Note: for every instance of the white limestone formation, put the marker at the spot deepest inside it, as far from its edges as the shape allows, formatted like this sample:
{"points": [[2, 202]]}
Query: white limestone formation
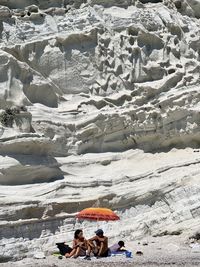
{"points": [[99, 105]]}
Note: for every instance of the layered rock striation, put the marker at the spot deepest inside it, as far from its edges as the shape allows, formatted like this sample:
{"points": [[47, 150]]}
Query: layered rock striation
{"points": [[105, 77]]}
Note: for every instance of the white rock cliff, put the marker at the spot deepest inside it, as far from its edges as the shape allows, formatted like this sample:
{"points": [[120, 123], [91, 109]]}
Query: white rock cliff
{"points": [[99, 106]]}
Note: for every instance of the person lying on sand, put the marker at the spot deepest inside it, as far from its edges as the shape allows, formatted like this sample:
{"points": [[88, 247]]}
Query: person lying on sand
{"points": [[98, 245], [118, 248], [79, 245]]}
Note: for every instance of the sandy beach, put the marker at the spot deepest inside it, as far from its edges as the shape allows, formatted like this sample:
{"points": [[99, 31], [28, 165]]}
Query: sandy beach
{"points": [[152, 261], [164, 251]]}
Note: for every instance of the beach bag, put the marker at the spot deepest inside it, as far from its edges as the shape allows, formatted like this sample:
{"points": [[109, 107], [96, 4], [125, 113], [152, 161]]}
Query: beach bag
{"points": [[63, 248]]}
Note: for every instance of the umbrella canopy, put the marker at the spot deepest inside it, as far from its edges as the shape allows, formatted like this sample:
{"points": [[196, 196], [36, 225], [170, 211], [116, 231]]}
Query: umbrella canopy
{"points": [[98, 214]]}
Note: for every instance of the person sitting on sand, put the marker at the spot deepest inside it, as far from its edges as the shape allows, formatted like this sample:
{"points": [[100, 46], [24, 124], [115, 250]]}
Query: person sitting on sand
{"points": [[118, 248], [98, 245], [79, 245]]}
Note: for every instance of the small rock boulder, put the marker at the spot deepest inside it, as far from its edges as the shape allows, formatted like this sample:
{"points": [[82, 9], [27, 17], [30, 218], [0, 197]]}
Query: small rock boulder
{"points": [[32, 9], [5, 13]]}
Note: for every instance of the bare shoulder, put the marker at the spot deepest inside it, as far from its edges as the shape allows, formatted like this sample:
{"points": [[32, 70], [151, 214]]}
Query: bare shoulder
{"points": [[93, 238]]}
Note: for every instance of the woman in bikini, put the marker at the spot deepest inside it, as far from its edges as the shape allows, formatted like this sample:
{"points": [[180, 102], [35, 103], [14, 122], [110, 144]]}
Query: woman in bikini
{"points": [[79, 245]]}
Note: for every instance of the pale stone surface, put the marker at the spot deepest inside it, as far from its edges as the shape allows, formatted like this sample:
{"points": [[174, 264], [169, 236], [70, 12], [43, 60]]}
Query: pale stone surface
{"points": [[5, 13], [110, 116]]}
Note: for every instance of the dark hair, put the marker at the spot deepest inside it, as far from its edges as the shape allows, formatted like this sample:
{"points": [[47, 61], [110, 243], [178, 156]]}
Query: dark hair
{"points": [[77, 232], [99, 232], [121, 243]]}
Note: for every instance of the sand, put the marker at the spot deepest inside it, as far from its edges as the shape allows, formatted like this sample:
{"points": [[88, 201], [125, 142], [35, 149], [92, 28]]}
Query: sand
{"points": [[163, 251], [154, 259]]}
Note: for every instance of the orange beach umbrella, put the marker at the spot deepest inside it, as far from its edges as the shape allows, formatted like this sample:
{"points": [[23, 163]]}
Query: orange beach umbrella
{"points": [[97, 214]]}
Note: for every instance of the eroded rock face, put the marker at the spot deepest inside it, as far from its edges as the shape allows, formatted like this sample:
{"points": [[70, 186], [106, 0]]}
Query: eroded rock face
{"points": [[5, 13], [24, 3], [96, 77], [150, 1], [195, 5]]}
